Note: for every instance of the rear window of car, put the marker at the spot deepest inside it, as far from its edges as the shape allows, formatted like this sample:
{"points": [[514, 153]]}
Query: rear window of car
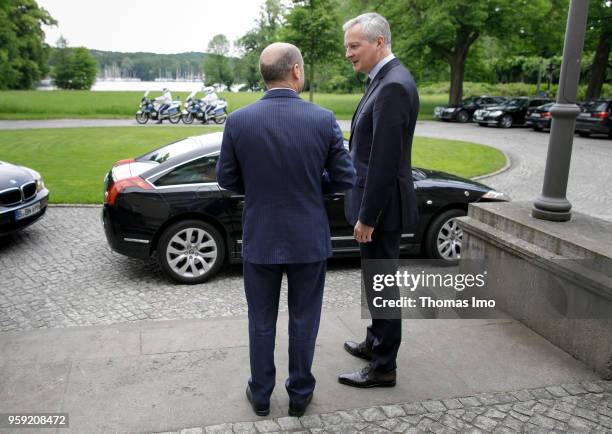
{"points": [[171, 150], [595, 106], [199, 171], [516, 102]]}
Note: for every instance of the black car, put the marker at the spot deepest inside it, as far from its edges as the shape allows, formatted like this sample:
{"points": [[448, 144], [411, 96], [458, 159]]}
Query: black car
{"points": [[539, 118], [510, 113], [463, 112], [595, 118], [23, 197], [168, 203]]}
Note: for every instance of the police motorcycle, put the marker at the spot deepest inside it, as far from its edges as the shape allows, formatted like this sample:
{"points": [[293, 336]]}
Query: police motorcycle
{"points": [[209, 108], [216, 111], [194, 109], [149, 109]]}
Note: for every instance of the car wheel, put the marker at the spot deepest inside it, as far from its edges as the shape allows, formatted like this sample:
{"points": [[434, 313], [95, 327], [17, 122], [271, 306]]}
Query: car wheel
{"points": [[584, 133], [191, 251], [463, 116], [506, 121], [444, 237], [537, 129], [482, 124]]}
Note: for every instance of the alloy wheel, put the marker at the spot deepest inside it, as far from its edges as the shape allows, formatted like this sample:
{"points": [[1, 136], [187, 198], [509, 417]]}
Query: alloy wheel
{"points": [[191, 252], [449, 240]]}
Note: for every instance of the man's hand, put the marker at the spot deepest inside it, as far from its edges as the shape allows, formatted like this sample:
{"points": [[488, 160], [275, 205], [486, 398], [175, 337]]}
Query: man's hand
{"points": [[363, 233]]}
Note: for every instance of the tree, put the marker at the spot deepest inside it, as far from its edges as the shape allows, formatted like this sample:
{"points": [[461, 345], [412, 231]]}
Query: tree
{"points": [[254, 41], [60, 63], [84, 69], [23, 52], [313, 26], [73, 68], [600, 24], [217, 67], [448, 29]]}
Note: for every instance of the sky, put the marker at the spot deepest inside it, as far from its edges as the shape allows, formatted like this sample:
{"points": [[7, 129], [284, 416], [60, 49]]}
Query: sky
{"points": [[155, 26]]}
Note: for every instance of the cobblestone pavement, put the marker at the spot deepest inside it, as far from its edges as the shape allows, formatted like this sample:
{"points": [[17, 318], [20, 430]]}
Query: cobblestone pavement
{"points": [[568, 408], [60, 272]]}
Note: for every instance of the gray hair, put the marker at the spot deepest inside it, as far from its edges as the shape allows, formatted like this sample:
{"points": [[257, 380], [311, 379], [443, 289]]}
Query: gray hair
{"points": [[276, 66], [373, 26]]}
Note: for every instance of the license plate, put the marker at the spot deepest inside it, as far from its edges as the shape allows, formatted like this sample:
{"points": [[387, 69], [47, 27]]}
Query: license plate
{"points": [[27, 212], [584, 115], [535, 115]]}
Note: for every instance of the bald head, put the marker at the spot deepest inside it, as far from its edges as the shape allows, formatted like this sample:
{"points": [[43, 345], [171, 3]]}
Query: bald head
{"points": [[278, 61]]}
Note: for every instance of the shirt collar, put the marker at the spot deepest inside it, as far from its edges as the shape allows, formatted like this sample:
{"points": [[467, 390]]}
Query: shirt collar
{"points": [[379, 66], [278, 88]]}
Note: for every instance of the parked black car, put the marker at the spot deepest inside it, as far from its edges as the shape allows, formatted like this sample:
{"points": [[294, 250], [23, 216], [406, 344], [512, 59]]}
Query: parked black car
{"points": [[539, 118], [595, 118], [463, 112], [510, 113], [167, 202], [23, 197]]}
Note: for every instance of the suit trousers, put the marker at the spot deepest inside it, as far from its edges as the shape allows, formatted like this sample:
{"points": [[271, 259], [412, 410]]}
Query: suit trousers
{"points": [[384, 335], [262, 284]]}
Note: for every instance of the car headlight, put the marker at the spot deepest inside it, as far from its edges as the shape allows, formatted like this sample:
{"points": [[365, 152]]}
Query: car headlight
{"points": [[450, 109], [496, 195], [496, 113], [40, 184]]}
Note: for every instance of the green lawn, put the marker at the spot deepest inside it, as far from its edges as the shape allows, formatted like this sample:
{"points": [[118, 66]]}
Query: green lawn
{"points": [[73, 161], [88, 104]]}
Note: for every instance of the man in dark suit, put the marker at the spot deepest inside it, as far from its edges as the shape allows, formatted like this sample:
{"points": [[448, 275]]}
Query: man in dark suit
{"points": [[283, 154], [383, 204]]}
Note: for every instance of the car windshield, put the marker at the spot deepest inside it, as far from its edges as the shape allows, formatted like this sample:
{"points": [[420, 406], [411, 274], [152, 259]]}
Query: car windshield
{"points": [[469, 100], [170, 151], [516, 102], [595, 106]]}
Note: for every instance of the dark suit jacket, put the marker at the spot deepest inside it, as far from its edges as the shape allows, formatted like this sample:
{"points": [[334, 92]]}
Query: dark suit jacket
{"points": [[381, 145], [275, 152]]}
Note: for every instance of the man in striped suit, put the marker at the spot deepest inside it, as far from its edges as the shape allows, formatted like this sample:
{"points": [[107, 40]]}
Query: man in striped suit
{"points": [[283, 154]]}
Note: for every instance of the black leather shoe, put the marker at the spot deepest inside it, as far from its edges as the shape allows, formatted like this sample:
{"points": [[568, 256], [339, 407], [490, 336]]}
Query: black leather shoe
{"points": [[367, 377], [297, 410], [259, 409], [358, 350]]}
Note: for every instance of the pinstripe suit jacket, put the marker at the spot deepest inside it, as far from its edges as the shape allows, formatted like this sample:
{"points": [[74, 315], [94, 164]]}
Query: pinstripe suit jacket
{"points": [[275, 152]]}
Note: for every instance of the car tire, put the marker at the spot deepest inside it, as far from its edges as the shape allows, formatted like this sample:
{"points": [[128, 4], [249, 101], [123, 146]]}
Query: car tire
{"points": [[191, 251], [506, 121], [584, 133], [482, 124], [463, 116], [537, 129], [444, 237]]}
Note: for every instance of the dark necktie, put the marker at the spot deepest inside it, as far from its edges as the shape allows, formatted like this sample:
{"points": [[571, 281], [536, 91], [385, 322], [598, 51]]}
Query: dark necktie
{"points": [[367, 84]]}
